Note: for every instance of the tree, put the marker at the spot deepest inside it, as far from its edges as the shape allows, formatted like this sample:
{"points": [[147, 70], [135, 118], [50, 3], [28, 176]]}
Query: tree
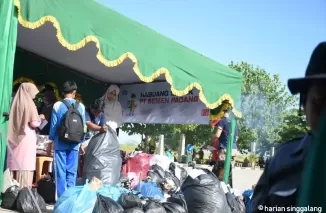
{"points": [[263, 103], [195, 134], [293, 125]]}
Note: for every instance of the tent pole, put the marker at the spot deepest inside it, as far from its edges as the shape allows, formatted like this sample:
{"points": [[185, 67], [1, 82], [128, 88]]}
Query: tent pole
{"points": [[182, 146], [227, 162], [161, 146]]}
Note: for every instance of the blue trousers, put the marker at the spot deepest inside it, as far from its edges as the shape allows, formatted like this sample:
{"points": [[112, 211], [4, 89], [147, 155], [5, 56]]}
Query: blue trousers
{"points": [[65, 165]]}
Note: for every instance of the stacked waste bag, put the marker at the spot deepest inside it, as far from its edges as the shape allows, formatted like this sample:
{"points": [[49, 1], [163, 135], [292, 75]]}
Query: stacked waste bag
{"points": [[23, 200]]}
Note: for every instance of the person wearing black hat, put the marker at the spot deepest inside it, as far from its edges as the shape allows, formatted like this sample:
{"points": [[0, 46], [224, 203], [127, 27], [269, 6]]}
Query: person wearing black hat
{"points": [[278, 187]]}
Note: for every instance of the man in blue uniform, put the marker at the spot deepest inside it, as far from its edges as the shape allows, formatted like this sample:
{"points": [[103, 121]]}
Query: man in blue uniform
{"points": [[65, 154], [95, 122], [95, 119], [222, 133], [279, 184]]}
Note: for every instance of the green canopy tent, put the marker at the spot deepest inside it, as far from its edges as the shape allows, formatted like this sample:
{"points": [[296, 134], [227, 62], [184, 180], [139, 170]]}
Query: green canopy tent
{"points": [[103, 45]]}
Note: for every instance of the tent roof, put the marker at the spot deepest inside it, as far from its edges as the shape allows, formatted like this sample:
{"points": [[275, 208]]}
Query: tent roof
{"points": [[114, 49]]}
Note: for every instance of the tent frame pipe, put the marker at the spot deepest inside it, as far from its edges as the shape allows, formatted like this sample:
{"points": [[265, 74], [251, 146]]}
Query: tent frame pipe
{"points": [[227, 162]]}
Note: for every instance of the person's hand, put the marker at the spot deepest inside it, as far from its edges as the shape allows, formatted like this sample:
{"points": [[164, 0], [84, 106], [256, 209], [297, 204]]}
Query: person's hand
{"points": [[42, 116], [104, 129], [82, 149]]}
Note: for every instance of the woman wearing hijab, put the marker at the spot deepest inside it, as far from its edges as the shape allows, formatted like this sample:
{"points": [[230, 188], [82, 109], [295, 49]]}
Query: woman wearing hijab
{"points": [[45, 110], [112, 107], [23, 120]]}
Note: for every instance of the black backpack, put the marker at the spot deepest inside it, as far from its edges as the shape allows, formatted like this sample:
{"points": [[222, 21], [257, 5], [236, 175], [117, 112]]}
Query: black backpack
{"points": [[71, 130]]}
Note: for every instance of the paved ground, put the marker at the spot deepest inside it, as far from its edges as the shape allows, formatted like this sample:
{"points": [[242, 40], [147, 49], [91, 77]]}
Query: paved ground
{"points": [[242, 179]]}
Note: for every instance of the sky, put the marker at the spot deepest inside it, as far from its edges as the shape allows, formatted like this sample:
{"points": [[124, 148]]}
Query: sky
{"points": [[277, 35]]}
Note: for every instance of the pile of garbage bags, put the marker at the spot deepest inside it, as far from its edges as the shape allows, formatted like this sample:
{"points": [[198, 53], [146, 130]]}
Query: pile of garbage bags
{"points": [[160, 185], [94, 197], [204, 193], [24, 200]]}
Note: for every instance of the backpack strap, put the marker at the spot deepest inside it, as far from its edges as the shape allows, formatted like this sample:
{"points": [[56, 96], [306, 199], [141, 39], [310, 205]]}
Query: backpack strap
{"points": [[68, 105], [76, 105]]}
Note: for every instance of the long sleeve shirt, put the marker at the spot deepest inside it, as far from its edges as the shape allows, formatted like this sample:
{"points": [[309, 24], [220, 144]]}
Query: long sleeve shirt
{"points": [[280, 182], [58, 113]]}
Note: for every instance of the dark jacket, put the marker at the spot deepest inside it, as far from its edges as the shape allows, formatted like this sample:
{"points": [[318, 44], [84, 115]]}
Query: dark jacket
{"points": [[278, 187]]}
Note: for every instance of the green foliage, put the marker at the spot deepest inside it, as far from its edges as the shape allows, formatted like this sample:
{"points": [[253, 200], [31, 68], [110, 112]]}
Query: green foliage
{"points": [[127, 147], [253, 158], [240, 158], [195, 134], [265, 106], [292, 126], [38, 100]]}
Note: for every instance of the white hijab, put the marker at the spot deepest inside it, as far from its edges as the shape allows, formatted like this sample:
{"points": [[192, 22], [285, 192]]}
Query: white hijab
{"points": [[112, 109]]}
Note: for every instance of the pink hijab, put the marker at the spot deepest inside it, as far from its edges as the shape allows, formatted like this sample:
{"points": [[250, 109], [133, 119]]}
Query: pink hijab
{"points": [[22, 112]]}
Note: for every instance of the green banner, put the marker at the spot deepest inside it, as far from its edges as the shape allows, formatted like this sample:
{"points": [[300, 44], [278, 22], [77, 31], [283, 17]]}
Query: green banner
{"points": [[8, 37]]}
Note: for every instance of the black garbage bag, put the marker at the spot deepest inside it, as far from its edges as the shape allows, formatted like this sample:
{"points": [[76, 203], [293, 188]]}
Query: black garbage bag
{"points": [[154, 207], [236, 205], [178, 199], [204, 194], [46, 188], [130, 200], [9, 197], [134, 210], [173, 208], [106, 204], [155, 177], [172, 180], [156, 173], [178, 171], [103, 159], [26, 204]]}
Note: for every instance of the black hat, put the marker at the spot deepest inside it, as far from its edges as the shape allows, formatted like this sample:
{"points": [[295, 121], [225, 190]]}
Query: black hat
{"points": [[316, 70]]}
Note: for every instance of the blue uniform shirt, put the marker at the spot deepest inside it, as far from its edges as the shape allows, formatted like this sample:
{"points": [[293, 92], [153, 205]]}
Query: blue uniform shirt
{"points": [[58, 112], [98, 120], [224, 124]]}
